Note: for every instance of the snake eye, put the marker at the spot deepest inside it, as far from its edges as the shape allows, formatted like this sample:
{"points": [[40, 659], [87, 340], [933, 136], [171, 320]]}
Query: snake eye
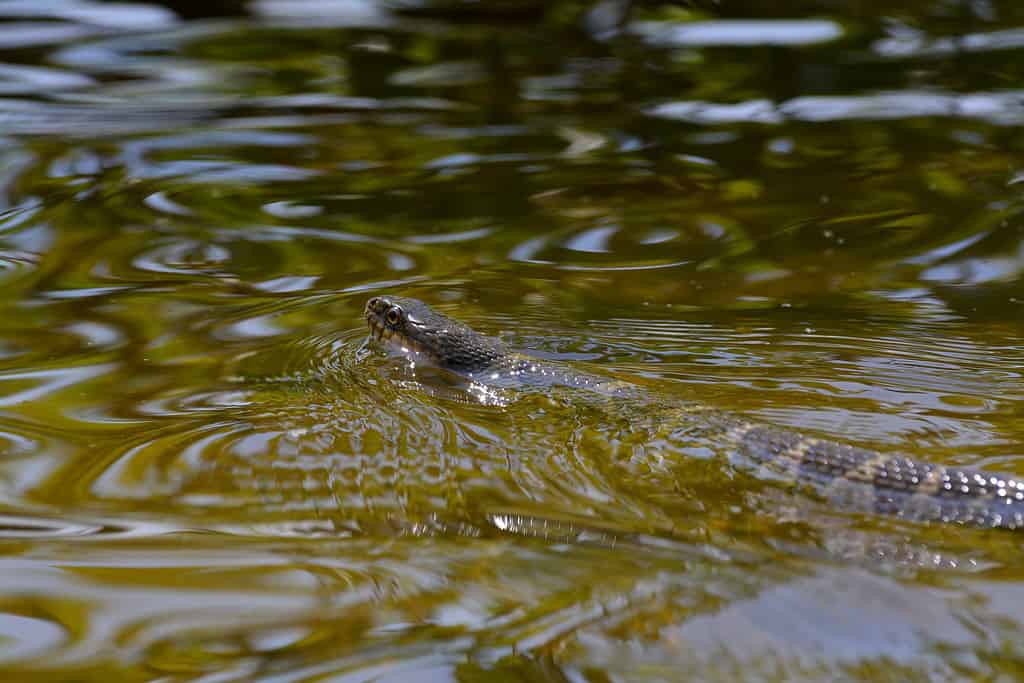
{"points": [[393, 315]]}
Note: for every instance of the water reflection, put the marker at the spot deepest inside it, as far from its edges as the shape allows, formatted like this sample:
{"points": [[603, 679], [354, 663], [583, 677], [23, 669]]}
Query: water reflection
{"points": [[904, 43], [1002, 108], [809, 214], [792, 33]]}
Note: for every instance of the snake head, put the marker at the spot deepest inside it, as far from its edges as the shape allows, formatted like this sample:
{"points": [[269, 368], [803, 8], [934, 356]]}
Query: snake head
{"points": [[390, 322], [416, 330]]}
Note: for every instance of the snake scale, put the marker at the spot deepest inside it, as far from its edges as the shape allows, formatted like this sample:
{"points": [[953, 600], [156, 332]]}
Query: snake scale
{"points": [[858, 477]]}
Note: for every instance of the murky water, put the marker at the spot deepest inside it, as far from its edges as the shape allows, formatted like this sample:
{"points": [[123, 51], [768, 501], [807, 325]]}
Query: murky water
{"points": [[812, 214]]}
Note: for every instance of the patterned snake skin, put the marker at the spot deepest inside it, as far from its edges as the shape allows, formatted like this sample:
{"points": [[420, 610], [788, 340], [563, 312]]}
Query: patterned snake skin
{"points": [[852, 477]]}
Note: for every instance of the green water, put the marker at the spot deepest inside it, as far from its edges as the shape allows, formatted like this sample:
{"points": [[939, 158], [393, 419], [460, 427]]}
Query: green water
{"points": [[808, 212]]}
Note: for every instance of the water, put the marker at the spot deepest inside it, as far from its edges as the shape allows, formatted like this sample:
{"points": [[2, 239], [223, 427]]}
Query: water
{"points": [[811, 214]]}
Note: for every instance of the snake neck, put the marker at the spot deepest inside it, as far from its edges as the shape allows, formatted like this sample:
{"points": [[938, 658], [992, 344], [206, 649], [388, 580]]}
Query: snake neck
{"points": [[415, 330]]}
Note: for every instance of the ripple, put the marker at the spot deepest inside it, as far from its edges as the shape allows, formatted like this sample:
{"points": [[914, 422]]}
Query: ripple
{"points": [[977, 271], [161, 202], [348, 103], [24, 637], [288, 284], [789, 32], [447, 74], [911, 44], [126, 16], [1004, 108], [14, 262], [329, 357], [26, 80], [292, 210], [149, 60], [311, 432], [33, 385], [221, 171], [321, 13], [809, 639], [76, 163], [239, 257], [21, 34], [609, 246], [23, 117], [884, 385], [17, 445], [24, 527], [183, 257]]}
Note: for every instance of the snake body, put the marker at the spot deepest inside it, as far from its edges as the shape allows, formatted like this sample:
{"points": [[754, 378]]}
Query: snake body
{"points": [[856, 477]]}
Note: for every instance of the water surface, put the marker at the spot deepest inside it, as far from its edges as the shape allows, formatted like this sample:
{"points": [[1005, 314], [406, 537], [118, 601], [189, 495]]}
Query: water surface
{"points": [[811, 214]]}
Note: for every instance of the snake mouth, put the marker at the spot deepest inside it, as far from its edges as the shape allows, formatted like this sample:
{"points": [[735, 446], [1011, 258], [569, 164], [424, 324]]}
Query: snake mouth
{"points": [[384, 334], [378, 330]]}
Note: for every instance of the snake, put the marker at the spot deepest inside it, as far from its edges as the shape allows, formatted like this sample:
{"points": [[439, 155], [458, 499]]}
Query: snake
{"points": [[855, 477]]}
